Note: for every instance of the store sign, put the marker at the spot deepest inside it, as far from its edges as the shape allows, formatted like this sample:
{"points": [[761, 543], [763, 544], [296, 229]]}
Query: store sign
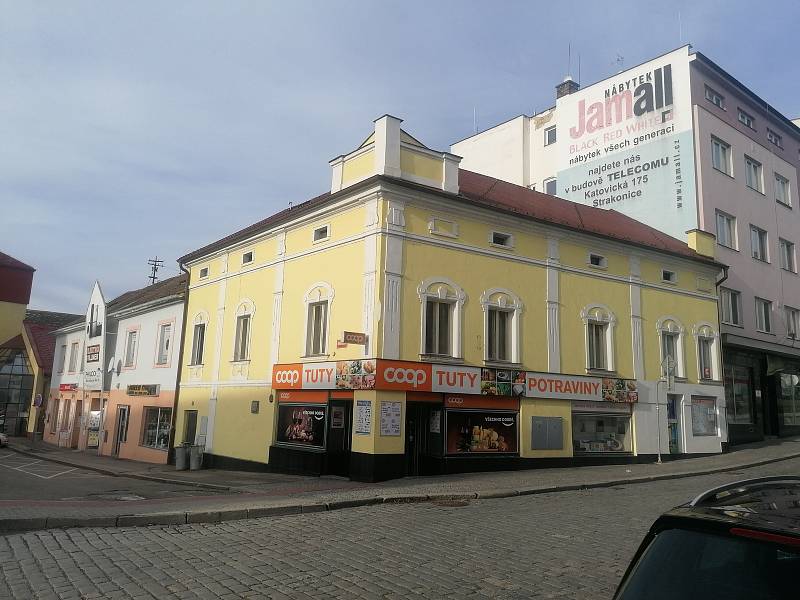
{"points": [[470, 431], [456, 379], [402, 375], [354, 337], [150, 389], [67, 387], [93, 378], [356, 374], [576, 387], [626, 144], [93, 353], [302, 424]]}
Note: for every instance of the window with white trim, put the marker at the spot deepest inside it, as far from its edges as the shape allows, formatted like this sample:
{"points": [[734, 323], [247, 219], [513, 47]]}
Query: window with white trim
{"points": [[774, 138], [203, 273], [241, 349], [715, 97], [598, 260], [73, 356], [707, 364], [498, 334], [726, 230], [442, 312], [747, 119], [62, 358], [599, 322], [731, 306], [763, 315], [721, 156], [316, 339], [782, 191], [164, 341], [247, 257], [156, 427], [759, 244], [443, 227], [672, 359], [322, 233], [787, 255], [792, 322], [502, 312], [550, 135], [131, 343], [669, 276], [198, 343], [753, 177], [498, 238]]}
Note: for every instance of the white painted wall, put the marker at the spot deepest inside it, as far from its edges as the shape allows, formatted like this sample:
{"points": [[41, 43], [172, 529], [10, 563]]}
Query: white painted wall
{"points": [[499, 152], [66, 377]]}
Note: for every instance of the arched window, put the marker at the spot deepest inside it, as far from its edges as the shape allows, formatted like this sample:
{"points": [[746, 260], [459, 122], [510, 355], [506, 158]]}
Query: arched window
{"points": [[317, 300], [707, 340], [199, 324], [599, 323], [670, 332], [502, 312], [442, 304], [244, 320]]}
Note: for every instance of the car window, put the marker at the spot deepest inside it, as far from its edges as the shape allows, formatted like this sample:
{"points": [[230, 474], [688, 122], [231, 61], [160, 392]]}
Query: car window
{"points": [[694, 565]]}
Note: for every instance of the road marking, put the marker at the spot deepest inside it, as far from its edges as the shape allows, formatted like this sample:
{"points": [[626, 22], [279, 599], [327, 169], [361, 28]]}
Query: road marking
{"points": [[27, 464], [21, 469], [61, 473]]}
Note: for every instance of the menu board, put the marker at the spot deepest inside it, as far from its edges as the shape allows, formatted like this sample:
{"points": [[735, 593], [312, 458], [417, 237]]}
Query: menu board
{"points": [[391, 413], [302, 424], [363, 417]]}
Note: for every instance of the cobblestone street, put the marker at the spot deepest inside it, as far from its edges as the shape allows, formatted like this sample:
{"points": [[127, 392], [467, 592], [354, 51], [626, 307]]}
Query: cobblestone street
{"points": [[561, 545]]}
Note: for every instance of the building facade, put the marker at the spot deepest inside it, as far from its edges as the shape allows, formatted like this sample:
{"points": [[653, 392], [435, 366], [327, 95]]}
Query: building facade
{"points": [[115, 378], [420, 318], [680, 144]]}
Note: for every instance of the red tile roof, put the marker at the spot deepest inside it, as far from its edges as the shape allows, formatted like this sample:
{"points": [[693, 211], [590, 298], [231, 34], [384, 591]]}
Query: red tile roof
{"points": [[10, 261], [174, 286], [39, 326]]}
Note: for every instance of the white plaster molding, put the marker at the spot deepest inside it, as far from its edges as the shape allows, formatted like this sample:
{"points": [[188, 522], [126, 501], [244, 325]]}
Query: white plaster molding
{"points": [[600, 313], [443, 289], [503, 299], [387, 146]]}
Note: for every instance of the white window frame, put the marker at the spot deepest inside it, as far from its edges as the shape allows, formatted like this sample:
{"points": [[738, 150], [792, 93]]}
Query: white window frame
{"points": [[731, 230], [724, 155], [600, 314], [548, 181], [73, 356], [753, 169], [747, 119], [547, 130], [602, 263], [199, 319], [508, 236], [320, 291], [783, 184], [792, 322], [715, 97], [671, 325], [311, 330], [734, 297], [442, 289], [327, 228], [202, 272], [774, 138], [246, 308], [62, 361], [507, 301], [161, 342], [763, 248], [443, 227], [765, 327], [669, 276], [705, 331], [787, 255], [245, 260], [131, 350]]}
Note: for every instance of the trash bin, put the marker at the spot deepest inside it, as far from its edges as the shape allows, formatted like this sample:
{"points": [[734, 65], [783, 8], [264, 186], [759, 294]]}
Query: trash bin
{"points": [[182, 457], [195, 458]]}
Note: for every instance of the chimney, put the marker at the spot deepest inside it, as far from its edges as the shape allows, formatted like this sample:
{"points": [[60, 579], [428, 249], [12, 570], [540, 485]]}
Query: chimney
{"points": [[566, 87]]}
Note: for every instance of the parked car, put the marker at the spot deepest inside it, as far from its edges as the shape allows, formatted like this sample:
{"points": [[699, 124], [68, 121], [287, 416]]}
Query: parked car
{"points": [[739, 542], [3, 440]]}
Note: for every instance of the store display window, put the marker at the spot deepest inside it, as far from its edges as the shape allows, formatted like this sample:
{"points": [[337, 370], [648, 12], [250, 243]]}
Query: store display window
{"points": [[599, 433], [790, 398], [704, 416], [302, 424], [481, 431]]}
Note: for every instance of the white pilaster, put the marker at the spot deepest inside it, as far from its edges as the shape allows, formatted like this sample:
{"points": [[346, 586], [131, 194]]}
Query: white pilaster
{"points": [[387, 146], [636, 318], [553, 335]]}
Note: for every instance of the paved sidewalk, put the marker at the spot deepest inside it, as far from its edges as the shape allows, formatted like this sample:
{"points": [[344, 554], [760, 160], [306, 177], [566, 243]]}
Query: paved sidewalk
{"points": [[265, 494]]}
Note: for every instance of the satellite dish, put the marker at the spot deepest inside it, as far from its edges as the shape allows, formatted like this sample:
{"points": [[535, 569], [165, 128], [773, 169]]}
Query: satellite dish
{"points": [[111, 365]]}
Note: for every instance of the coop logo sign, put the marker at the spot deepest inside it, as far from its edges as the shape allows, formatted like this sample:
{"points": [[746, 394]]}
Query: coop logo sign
{"points": [[286, 376], [414, 377]]}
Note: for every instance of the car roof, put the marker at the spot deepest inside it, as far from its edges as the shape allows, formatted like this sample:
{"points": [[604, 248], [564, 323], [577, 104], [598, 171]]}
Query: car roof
{"points": [[767, 503]]}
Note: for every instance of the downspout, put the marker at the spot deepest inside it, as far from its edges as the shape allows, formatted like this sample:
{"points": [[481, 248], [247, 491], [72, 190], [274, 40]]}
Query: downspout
{"points": [[172, 432]]}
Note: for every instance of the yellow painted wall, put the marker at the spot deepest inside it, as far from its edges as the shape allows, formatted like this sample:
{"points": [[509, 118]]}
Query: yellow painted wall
{"points": [[39, 381], [577, 255], [237, 432], [420, 165], [375, 443], [530, 407], [358, 168], [11, 317]]}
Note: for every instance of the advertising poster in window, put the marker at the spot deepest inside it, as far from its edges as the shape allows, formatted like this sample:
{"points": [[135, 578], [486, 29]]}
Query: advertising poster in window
{"points": [[302, 424], [355, 374], [391, 414], [363, 417], [626, 144], [704, 416], [502, 382], [481, 432]]}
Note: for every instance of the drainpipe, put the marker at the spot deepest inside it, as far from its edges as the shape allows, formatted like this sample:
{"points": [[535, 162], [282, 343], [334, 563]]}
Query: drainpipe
{"points": [[172, 432]]}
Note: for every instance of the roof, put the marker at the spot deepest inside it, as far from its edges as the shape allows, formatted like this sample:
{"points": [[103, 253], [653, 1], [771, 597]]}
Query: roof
{"points": [[16, 343], [13, 263], [39, 327], [174, 286], [489, 192]]}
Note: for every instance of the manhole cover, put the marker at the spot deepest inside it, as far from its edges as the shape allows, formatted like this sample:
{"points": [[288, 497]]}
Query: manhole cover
{"points": [[454, 503]]}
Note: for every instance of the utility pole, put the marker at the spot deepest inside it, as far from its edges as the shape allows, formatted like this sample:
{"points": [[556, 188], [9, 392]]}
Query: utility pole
{"points": [[154, 266]]}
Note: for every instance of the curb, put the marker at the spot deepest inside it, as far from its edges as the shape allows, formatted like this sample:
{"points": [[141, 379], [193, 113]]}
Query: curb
{"points": [[20, 525]]}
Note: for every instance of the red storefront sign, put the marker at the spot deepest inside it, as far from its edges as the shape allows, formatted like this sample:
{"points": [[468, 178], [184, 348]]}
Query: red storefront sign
{"points": [[302, 396], [403, 376], [478, 401], [67, 387]]}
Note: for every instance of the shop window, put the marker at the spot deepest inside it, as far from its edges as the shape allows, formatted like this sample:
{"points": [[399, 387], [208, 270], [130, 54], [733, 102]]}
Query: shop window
{"points": [[164, 341], [601, 433], [502, 312], [16, 387], [302, 424], [198, 343], [318, 306], [442, 307], [672, 360], [738, 395], [156, 427], [481, 432], [790, 398], [599, 322], [131, 346], [704, 416]]}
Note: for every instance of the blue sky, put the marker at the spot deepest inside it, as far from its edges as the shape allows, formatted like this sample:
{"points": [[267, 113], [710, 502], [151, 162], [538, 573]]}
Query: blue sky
{"points": [[131, 129]]}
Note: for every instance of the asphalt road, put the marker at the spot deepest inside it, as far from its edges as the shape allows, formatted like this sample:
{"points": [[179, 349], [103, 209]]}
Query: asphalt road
{"points": [[559, 545]]}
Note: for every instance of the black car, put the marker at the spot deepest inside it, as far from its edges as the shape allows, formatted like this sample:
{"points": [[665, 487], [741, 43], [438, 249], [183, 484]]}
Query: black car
{"points": [[738, 542]]}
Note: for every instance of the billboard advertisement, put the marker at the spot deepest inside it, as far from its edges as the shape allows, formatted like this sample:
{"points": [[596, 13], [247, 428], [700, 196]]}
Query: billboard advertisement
{"points": [[625, 143]]}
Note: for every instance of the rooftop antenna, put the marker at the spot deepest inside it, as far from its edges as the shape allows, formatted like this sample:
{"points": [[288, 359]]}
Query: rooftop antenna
{"points": [[474, 119], [579, 68], [569, 59], [620, 60], [155, 264], [680, 29]]}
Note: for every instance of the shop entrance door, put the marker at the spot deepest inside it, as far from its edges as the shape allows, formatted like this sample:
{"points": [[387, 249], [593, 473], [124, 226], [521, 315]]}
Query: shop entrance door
{"points": [[75, 432], [338, 442], [121, 430], [674, 422], [415, 435]]}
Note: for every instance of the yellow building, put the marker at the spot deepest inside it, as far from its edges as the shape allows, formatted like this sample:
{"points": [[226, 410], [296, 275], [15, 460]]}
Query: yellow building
{"points": [[420, 318]]}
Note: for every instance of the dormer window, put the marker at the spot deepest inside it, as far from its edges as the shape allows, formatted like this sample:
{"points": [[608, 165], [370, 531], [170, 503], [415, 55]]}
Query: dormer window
{"points": [[322, 233], [247, 257]]}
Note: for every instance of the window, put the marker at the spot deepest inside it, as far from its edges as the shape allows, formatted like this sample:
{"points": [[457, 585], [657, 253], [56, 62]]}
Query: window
{"points": [[597, 346], [317, 328], [726, 230], [241, 348], [746, 119], [738, 395], [758, 243], [62, 358], [705, 355], [598, 260], [782, 193], [600, 324], [203, 272], [669, 349], [198, 342], [792, 322], [502, 239], [787, 256], [73, 357], [550, 186], [704, 416], [774, 138], [669, 276], [498, 334], [763, 315], [721, 156], [130, 348], [438, 338], [156, 427], [247, 257], [715, 97], [790, 398], [322, 233], [550, 136], [731, 302], [164, 339], [672, 360], [752, 174], [54, 415]]}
